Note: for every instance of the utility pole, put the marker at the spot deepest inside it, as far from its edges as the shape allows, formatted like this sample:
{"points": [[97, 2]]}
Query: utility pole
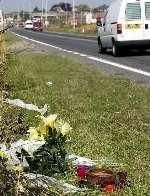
{"points": [[23, 18], [81, 17], [74, 17], [29, 9], [66, 13], [46, 7], [42, 10]]}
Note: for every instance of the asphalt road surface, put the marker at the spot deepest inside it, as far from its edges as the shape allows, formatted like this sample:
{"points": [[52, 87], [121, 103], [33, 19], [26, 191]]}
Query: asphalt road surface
{"points": [[133, 62]]}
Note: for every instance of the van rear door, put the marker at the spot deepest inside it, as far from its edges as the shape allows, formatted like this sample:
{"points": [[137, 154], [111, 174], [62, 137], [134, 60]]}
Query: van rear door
{"points": [[146, 19], [133, 28]]}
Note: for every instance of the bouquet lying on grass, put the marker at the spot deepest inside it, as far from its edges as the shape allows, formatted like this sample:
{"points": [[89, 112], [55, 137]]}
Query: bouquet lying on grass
{"points": [[49, 157]]}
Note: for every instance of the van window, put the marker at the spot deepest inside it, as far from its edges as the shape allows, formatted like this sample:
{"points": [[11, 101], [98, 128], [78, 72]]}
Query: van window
{"points": [[147, 10], [133, 11]]}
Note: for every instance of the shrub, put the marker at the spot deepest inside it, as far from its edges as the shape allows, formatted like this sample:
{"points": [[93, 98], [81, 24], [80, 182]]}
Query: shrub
{"points": [[13, 123]]}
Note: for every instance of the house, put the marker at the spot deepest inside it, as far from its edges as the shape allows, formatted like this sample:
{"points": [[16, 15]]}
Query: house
{"points": [[82, 18]]}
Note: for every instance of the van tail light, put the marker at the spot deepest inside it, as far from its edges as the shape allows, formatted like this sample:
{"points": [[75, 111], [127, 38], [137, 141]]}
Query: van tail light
{"points": [[119, 28]]}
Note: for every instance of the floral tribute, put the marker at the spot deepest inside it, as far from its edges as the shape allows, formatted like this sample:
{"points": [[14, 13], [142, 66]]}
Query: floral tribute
{"points": [[50, 157]]}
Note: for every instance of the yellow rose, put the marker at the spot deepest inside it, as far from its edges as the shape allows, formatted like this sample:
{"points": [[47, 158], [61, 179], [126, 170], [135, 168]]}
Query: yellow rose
{"points": [[43, 130], [65, 128], [49, 120], [33, 134], [18, 168], [1, 154]]}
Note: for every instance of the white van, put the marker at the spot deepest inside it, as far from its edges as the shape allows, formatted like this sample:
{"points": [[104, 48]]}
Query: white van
{"points": [[126, 25], [28, 25]]}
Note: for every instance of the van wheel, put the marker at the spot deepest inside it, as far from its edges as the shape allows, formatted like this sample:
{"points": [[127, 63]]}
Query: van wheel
{"points": [[115, 49], [101, 49]]}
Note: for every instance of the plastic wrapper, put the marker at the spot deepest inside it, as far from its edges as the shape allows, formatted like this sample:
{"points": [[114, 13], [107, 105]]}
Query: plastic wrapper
{"points": [[20, 103]]}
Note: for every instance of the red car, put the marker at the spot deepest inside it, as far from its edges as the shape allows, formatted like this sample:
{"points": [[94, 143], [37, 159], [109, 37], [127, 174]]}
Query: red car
{"points": [[37, 26]]}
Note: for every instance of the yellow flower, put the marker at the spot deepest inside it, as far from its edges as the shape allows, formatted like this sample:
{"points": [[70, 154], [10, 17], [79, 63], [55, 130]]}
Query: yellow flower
{"points": [[42, 130], [49, 120], [65, 128], [19, 168], [1, 154], [33, 134]]}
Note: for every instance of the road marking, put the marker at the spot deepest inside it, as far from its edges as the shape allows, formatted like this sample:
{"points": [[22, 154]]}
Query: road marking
{"points": [[121, 66], [139, 71], [76, 53], [83, 55], [69, 51]]}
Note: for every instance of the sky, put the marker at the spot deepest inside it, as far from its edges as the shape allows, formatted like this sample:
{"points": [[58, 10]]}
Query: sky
{"points": [[14, 5]]}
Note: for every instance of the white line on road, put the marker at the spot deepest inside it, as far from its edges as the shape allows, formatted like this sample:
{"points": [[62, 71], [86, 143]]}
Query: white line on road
{"points": [[76, 53], [121, 66], [83, 55], [69, 51]]}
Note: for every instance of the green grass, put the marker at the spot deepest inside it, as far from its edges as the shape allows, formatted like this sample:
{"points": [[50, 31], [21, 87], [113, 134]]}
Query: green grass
{"points": [[89, 30], [110, 116], [11, 39]]}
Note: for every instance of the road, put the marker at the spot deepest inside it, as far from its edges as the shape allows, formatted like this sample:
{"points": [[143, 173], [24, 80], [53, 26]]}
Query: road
{"points": [[133, 60]]}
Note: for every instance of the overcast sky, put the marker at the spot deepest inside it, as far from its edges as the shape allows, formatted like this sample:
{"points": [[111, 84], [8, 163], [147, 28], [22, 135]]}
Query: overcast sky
{"points": [[26, 4]]}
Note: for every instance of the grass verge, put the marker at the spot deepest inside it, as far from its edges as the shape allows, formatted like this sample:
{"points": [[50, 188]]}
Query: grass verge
{"points": [[110, 116], [84, 30], [11, 39]]}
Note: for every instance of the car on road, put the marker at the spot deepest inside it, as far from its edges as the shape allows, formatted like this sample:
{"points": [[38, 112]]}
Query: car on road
{"points": [[37, 26], [28, 25], [126, 26]]}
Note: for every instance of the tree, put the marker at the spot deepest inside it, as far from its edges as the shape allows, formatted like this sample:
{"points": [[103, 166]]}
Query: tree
{"points": [[21, 14], [36, 9], [15, 16], [24, 15], [83, 8]]}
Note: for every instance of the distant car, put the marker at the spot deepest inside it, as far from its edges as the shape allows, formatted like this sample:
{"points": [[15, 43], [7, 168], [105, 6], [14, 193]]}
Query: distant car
{"points": [[28, 25], [37, 26], [20, 24]]}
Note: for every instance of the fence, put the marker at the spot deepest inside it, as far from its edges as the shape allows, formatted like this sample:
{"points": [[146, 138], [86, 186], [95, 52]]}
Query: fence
{"points": [[2, 47]]}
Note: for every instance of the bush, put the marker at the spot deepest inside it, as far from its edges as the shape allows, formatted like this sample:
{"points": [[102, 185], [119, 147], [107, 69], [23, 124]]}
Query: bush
{"points": [[13, 183], [9, 179], [3, 75], [13, 124]]}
